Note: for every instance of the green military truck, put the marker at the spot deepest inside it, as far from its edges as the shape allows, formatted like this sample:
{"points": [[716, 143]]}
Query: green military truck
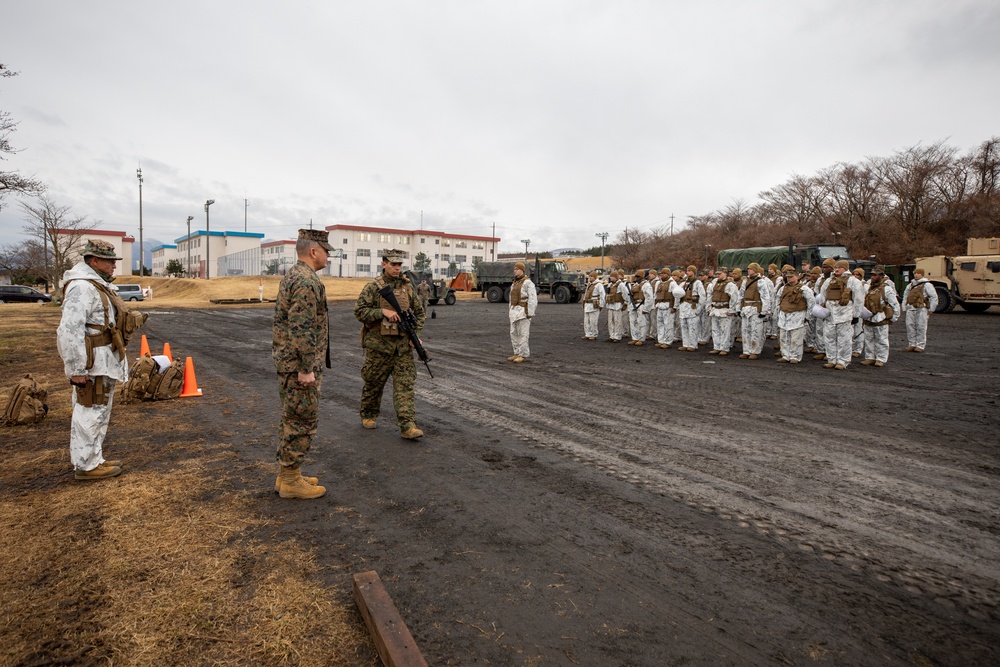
{"points": [[550, 277], [439, 290], [794, 254]]}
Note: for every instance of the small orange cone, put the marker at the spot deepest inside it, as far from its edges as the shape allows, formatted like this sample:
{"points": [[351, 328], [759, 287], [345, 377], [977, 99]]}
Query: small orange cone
{"points": [[190, 383], [166, 352], [144, 347]]}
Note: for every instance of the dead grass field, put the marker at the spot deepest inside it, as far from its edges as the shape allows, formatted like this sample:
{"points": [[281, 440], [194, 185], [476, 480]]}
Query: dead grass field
{"points": [[164, 565], [191, 292]]}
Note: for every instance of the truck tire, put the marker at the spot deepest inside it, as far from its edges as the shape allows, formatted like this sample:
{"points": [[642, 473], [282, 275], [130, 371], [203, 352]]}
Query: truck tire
{"points": [[946, 303], [576, 297], [494, 294], [975, 307], [506, 294], [432, 302], [449, 300], [561, 294]]}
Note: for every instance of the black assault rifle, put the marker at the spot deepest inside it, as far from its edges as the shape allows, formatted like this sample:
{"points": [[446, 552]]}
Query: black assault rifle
{"points": [[407, 324], [631, 297]]}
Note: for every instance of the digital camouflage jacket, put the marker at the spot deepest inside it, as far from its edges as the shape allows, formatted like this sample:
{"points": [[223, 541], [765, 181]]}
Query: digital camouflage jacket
{"points": [[301, 323]]}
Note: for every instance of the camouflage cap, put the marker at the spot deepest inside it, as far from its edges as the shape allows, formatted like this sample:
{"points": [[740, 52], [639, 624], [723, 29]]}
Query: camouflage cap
{"points": [[721, 269], [392, 255], [319, 236], [879, 269], [787, 268], [102, 249]]}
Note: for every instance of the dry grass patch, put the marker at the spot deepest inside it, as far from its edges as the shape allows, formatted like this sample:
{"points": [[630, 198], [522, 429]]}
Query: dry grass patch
{"points": [[150, 568]]}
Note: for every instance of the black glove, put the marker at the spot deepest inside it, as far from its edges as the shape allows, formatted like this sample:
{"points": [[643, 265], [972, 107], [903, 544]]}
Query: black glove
{"points": [[762, 316], [854, 320]]}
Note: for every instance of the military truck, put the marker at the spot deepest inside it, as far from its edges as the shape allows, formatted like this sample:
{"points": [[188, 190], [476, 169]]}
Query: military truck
{"points": [[793, 253], [550, 277], [439, 290], [971, 281]]}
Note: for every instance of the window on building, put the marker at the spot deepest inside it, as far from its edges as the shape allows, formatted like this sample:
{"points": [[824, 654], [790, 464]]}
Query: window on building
{"points": [[461, 244], [423, 240], [478, 245], [345, 241], [383, 238], [446, 243], [405, 240], [362, 268], [460, 259], [445, 258], [362, 236], [364, 252], [437, 241]]}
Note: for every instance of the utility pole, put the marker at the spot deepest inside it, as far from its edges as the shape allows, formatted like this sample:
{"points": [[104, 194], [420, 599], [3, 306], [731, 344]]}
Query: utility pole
{"points": [[671, 224], [526, 243], [187, 268], [603, 236], [138, 173], [246, 205], [208, 241]]}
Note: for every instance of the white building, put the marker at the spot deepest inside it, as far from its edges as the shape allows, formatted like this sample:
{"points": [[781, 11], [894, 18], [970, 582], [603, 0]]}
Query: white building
{"points": [[362, 249], [162, 255], [121, 241], [278, 256], [199, 247]]}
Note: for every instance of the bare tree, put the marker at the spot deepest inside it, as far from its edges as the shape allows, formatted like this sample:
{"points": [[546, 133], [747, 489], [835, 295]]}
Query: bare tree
{"points": [[909, 181], [58, 232], [798, 201], [12, 181]]}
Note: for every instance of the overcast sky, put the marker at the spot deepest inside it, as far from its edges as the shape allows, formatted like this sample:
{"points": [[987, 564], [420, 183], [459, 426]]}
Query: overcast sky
{"points": [[555, 120]]}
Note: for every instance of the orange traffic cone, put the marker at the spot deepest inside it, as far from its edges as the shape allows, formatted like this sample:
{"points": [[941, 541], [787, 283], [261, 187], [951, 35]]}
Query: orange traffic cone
{"points": [[166, 352], [190, 383], [144, 347]]}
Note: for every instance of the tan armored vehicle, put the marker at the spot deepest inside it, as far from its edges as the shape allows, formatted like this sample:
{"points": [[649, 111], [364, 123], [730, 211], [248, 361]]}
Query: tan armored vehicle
{"points": [[971, 281]]}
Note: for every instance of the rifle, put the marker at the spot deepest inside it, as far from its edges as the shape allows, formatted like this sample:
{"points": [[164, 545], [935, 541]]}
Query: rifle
{"points": [[407, 324], [631, 299]]}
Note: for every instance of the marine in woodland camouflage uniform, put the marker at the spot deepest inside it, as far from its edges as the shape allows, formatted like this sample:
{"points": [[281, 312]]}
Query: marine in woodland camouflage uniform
{"points": [[387, 349], [300, 349]]}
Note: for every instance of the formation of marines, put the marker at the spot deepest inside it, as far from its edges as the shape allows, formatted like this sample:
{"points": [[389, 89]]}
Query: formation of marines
{"points": [[827, 311]]}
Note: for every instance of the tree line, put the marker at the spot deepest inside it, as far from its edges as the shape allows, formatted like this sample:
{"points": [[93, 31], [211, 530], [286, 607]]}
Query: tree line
{"points": [[917, 202]]}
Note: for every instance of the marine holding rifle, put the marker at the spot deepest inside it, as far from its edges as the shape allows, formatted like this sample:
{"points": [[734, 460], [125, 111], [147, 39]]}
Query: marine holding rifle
{"points": [[388, 350]]}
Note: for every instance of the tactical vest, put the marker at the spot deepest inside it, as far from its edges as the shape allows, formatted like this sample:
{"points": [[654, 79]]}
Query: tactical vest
{"points": [[116, 335], [916, 298], [837, 290], [719, 297], [751, 296], [792, 300], [515, 295], [613, 295], [689, 295], [637, 296], [589, 296], [876, 302], [404, 295], [663, 293]]}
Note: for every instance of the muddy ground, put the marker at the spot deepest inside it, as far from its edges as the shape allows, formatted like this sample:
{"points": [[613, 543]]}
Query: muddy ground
{"points": [[609, 505]]}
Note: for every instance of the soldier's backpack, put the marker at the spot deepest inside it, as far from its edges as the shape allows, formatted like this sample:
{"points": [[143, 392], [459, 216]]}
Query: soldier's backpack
{"points": [[147, 383], [26, 404]]}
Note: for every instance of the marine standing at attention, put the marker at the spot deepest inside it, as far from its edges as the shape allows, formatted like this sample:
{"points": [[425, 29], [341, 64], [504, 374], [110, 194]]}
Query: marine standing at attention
{"points": [[300, 349], [387, 349], [523, 301]]}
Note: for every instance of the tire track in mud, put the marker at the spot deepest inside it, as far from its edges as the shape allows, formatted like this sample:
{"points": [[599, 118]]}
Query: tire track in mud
{"points": [[874, 512]]}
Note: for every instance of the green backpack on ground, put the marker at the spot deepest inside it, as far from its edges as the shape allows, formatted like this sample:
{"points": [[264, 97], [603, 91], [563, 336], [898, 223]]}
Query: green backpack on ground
{"points": [[26, 404]]}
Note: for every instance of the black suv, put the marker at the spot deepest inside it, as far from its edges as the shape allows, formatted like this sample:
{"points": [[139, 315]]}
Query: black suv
{"points": [[20, 293]]}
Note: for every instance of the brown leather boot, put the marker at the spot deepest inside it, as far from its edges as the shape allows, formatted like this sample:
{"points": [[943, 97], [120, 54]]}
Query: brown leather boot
{"points": [[102, 471], [277, 482], [292, 485], [412, 433]]}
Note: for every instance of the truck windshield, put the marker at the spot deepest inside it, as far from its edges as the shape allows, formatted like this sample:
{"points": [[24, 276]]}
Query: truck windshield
{"points": [[833, 252]]}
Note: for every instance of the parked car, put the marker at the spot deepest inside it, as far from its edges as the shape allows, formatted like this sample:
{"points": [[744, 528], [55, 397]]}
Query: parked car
{"points": [[20, 293], [130, 292]]}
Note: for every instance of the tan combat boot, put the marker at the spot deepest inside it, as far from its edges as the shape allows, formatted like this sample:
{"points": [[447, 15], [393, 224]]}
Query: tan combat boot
{"points": [[412, 433], [368, 423], [291, 484], [277, 482], [102, 471]]}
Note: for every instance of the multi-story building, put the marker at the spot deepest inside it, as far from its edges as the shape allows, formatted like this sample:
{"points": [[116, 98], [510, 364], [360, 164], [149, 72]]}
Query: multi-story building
{"points": [[162, 255], [361, 249], [278, 256], [195, 248], [122, 242]]}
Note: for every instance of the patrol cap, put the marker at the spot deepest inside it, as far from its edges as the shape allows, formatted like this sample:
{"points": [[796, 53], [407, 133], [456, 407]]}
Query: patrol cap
{"points": [[392, 255], [879, 269], [842, 264], [519, 265], [830, 261], [102, 249], [319, 236], [721, 269], [757, 267], [787, 268]]}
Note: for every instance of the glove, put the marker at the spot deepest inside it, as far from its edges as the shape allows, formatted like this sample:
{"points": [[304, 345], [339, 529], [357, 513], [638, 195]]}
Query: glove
{"points": [[854, 320], [762, 316]]}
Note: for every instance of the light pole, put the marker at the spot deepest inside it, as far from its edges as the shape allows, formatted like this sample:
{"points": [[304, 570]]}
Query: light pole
{"points": [[708, 249], [604, 237], [208, 242], [138, 174], [187, 267], [526, 243]]}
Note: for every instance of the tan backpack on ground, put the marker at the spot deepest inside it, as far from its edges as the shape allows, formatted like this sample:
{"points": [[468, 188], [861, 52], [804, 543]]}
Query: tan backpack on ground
{"points": [[146, 383], [26, 404]]}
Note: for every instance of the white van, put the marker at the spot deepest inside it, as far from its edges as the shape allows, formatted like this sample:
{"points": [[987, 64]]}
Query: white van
{"points": [[130, 292]]}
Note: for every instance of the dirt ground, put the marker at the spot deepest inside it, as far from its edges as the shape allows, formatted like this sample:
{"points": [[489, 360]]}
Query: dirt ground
{"points": [[609, 505]]}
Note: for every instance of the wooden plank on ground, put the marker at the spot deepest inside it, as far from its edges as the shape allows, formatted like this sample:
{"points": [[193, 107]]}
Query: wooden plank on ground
{"points": [[393, 640]]}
